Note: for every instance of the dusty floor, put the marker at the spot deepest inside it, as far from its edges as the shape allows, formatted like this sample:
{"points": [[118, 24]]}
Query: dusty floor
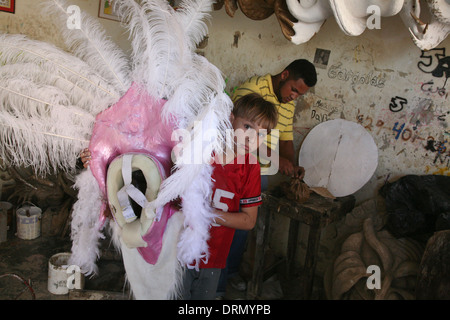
{"points": [[27, 261]]}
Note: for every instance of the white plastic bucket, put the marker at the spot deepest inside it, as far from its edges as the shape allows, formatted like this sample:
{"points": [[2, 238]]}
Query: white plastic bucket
{"points": [[28, 222], [62, 276]]}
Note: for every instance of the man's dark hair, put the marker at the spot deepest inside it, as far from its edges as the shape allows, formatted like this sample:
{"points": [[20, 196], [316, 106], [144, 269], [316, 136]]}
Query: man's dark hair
{"points": [[303, 69]]}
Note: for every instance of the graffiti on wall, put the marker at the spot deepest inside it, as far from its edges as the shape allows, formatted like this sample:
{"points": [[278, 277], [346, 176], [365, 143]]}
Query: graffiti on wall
{"points": [[336, 71], [323, 109], [402, 130], [430, 89], [436, 63], [403, 118], [397, 104]]}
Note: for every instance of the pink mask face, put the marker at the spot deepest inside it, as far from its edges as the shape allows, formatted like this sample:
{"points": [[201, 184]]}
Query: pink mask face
{"points": [[133, 124]]}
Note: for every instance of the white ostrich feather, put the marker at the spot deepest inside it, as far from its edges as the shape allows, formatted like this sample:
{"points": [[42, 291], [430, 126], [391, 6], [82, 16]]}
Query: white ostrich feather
{"points": [[39, 127], [192, 15], [91, 45], [142, 46], [45, 73], [49, 99], [16, 49], [198, 213], [86, 225], [200, 85], [159, 51]]}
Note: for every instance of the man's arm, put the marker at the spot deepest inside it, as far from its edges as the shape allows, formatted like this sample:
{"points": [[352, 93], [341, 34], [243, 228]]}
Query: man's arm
{"points": [[286, 157], [287, 160], [287, 150], [279, 160]]}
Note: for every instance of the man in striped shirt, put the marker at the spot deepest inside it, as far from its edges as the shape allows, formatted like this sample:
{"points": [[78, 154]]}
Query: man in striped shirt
{"points": [[282, 90]]}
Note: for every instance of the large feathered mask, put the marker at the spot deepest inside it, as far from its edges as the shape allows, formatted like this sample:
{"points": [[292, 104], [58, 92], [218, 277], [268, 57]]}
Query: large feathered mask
{"points": [[55, 103]]}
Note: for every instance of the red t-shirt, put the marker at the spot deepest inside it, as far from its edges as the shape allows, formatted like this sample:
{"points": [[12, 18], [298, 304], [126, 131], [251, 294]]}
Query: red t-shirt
{"points": [[237, 184]]}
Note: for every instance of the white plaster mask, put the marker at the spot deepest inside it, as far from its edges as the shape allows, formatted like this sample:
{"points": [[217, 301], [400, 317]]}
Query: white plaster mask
{"points": [[351, 15]]}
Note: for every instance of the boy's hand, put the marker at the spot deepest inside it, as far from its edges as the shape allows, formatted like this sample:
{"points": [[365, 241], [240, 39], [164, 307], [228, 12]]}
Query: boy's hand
{"points": [[85, 156]]}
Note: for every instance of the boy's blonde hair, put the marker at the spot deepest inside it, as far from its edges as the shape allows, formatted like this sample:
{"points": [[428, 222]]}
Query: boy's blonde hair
{"points": [[254, 108]]}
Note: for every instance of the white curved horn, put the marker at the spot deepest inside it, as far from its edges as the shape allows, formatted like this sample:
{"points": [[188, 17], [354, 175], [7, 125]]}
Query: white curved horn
{"points": [[435, 34], [351, 15], [426, 36], [410, 14], [388, 8], [305, 31], [440, 9], [307, 3]]}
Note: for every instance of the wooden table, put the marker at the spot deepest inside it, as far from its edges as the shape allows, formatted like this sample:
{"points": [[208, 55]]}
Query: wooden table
{"points": [[316, 212]]}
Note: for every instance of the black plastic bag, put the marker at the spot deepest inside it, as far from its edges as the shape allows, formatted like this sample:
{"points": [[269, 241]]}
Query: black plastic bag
{"points": [[417, 205]]}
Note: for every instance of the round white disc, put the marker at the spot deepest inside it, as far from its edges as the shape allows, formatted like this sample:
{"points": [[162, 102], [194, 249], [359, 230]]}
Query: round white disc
{"points": [[339, 155]]}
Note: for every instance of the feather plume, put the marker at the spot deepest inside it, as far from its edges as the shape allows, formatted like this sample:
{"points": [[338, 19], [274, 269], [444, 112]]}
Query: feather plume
{"points": [[192, 15], [192, 246], [16, 49], [159, 53], [37, 131], [86, 224], [45, 73], [142, 43], [48, 100], [90, 44], [201, 89]]}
